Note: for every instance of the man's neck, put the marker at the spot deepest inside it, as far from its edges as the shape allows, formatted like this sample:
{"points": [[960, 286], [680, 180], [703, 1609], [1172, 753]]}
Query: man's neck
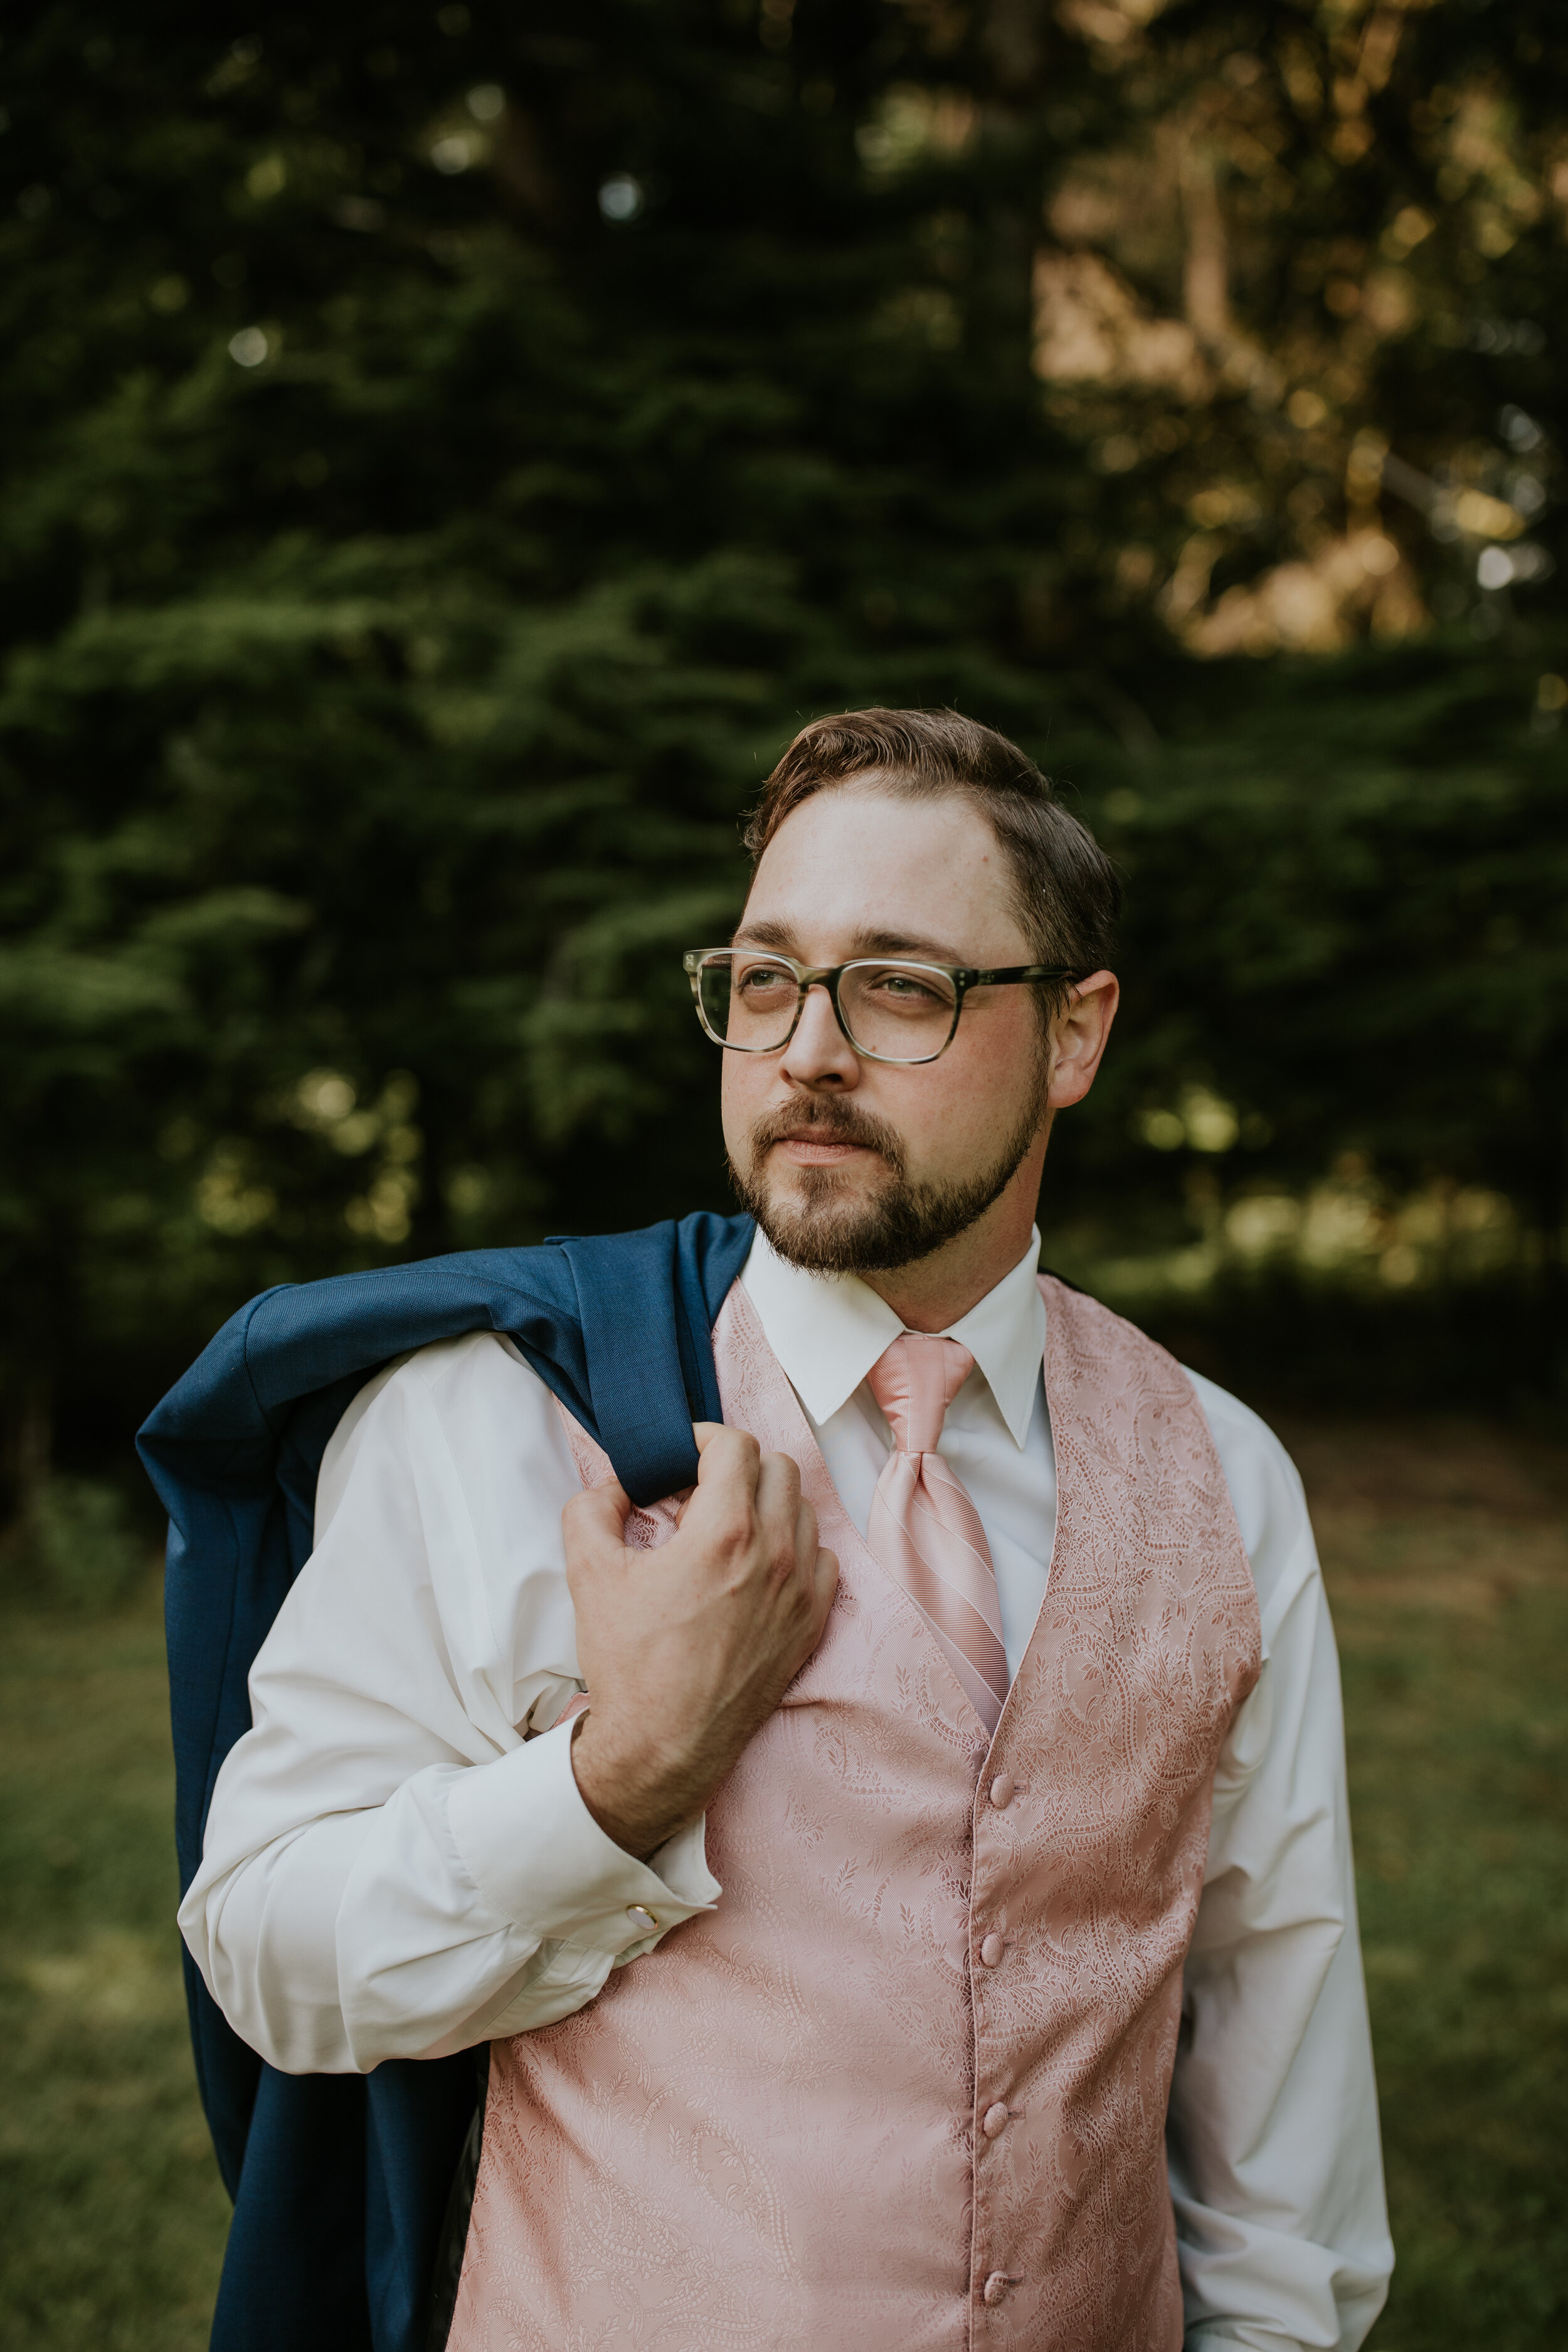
{"points": [[938, 1291]]}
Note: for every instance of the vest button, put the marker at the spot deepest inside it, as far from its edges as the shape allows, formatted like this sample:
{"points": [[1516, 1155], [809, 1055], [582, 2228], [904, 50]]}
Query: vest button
{"points": [[993, 2123], [991, 1951], [995, 2288], [1002, 1790]]}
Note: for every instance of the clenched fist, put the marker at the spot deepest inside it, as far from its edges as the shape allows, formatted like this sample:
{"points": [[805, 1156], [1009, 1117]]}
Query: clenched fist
{"points": [[687, 1650]]}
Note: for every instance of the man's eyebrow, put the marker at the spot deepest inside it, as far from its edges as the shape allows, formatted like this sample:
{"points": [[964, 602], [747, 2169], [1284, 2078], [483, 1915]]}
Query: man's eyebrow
{"points": [[764, 935], [781, 938], [907, 943]]}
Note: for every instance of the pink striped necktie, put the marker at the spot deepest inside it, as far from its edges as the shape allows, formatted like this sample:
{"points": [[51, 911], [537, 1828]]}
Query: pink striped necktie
{"points": [[924, 1525]]}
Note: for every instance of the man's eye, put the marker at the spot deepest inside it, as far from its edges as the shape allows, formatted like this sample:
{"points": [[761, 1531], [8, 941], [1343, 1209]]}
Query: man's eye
{"points": [[905, 988], [763, 979]]}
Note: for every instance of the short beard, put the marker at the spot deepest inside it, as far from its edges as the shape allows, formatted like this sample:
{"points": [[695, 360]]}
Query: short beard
{"points": [[829, 1230]]}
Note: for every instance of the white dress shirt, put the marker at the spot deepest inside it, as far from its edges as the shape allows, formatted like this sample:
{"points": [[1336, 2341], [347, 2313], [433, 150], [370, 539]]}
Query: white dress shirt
{"points": [[398, 1864]]}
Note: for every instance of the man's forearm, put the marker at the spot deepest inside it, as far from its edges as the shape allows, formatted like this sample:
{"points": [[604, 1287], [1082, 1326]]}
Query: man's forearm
{"points": [[405, 1929]]}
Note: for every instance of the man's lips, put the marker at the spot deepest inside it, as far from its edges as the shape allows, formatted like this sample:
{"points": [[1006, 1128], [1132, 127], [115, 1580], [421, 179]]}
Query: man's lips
{"points": [[808, 1151]]}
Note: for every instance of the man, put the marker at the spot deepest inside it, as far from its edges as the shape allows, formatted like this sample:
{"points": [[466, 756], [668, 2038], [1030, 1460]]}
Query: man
{"points": [[937, 1925]]}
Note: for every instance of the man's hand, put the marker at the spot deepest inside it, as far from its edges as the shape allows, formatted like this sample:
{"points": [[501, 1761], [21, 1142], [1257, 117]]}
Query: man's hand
{"points": [[688, 1649]]}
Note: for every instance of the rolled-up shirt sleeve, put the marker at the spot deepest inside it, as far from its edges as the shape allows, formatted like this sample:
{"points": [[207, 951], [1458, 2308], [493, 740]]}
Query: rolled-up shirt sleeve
{"points": [[398, 1860], [1275, 2168]]}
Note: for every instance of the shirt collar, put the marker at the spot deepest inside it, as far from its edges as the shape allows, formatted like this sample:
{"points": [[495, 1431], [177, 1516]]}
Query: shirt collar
{"points": [[828, 1329]]}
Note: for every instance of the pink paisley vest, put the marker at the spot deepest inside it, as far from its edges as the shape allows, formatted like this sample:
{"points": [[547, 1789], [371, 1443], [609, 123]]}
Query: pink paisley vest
{"points": [[905, 2086]]}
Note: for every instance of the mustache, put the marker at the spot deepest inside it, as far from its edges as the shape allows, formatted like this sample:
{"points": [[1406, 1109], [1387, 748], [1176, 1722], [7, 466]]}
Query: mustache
{"points": [[828, 1122]]}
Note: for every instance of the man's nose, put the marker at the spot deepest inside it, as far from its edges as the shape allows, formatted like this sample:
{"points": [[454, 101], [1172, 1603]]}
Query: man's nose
{"points": [[819, 1054]]}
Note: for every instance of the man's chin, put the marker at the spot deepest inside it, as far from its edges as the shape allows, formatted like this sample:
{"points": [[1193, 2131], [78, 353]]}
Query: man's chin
{"points": [[820, 1244], [831, 1221], [821, 1219], [789, 1185]]}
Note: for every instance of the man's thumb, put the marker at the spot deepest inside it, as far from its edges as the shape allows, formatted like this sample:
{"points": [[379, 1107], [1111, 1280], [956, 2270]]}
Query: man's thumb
{"points": [[596, 1520]]}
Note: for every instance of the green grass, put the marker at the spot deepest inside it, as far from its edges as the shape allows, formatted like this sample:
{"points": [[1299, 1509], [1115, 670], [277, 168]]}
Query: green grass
{"points": [[1447, 1550], [114, 2216], [1447, 1556]]}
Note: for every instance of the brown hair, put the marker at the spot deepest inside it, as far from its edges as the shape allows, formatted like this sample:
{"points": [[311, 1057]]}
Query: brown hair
{"points": [[1065, 889]]}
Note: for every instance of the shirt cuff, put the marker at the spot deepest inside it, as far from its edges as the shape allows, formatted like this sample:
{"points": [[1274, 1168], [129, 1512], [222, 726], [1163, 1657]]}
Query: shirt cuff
{"points": [[540, 1859]]}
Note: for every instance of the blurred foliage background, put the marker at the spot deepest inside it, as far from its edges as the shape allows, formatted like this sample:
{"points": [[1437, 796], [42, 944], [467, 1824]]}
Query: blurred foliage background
{"points": [[444, 452]]}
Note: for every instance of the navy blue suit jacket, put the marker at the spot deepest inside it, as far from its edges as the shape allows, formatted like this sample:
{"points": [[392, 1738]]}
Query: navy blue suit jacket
{"points": [[341, 2182]]}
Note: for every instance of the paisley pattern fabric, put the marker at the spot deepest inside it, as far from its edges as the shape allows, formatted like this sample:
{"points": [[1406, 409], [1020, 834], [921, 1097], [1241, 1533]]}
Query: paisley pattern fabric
{"points": [[905, 2087]]}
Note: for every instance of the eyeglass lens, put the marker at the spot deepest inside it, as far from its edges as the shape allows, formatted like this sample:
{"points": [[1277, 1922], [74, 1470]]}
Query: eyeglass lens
{"points": [[902, 1012]]}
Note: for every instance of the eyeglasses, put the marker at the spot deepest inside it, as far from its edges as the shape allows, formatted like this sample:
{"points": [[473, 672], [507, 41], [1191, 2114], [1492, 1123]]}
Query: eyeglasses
{"points": [[890, 1011]]}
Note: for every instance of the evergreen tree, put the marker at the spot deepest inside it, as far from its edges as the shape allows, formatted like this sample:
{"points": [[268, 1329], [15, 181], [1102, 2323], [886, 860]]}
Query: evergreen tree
{"points": [[447, 452]]}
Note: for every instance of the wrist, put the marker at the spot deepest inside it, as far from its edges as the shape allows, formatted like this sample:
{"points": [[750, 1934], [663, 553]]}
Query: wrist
{"points": [[636, 1798]]}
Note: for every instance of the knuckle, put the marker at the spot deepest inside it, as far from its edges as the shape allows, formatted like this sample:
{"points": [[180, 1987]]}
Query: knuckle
{"points": [[732, 1531]]}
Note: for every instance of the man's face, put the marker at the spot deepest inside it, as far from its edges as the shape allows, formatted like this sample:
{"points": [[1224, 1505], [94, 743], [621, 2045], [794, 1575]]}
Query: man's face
{"points": [[855, 1166]]}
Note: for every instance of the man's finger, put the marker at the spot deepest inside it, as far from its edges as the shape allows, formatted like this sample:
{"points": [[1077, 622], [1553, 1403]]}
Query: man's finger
{"points": [[805, 1536], [726, 1457], [778, 1486], [596, 1520]]}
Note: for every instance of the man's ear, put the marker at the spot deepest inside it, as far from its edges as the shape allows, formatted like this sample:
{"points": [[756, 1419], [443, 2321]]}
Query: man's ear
{"points": [[1082, 1030]]}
